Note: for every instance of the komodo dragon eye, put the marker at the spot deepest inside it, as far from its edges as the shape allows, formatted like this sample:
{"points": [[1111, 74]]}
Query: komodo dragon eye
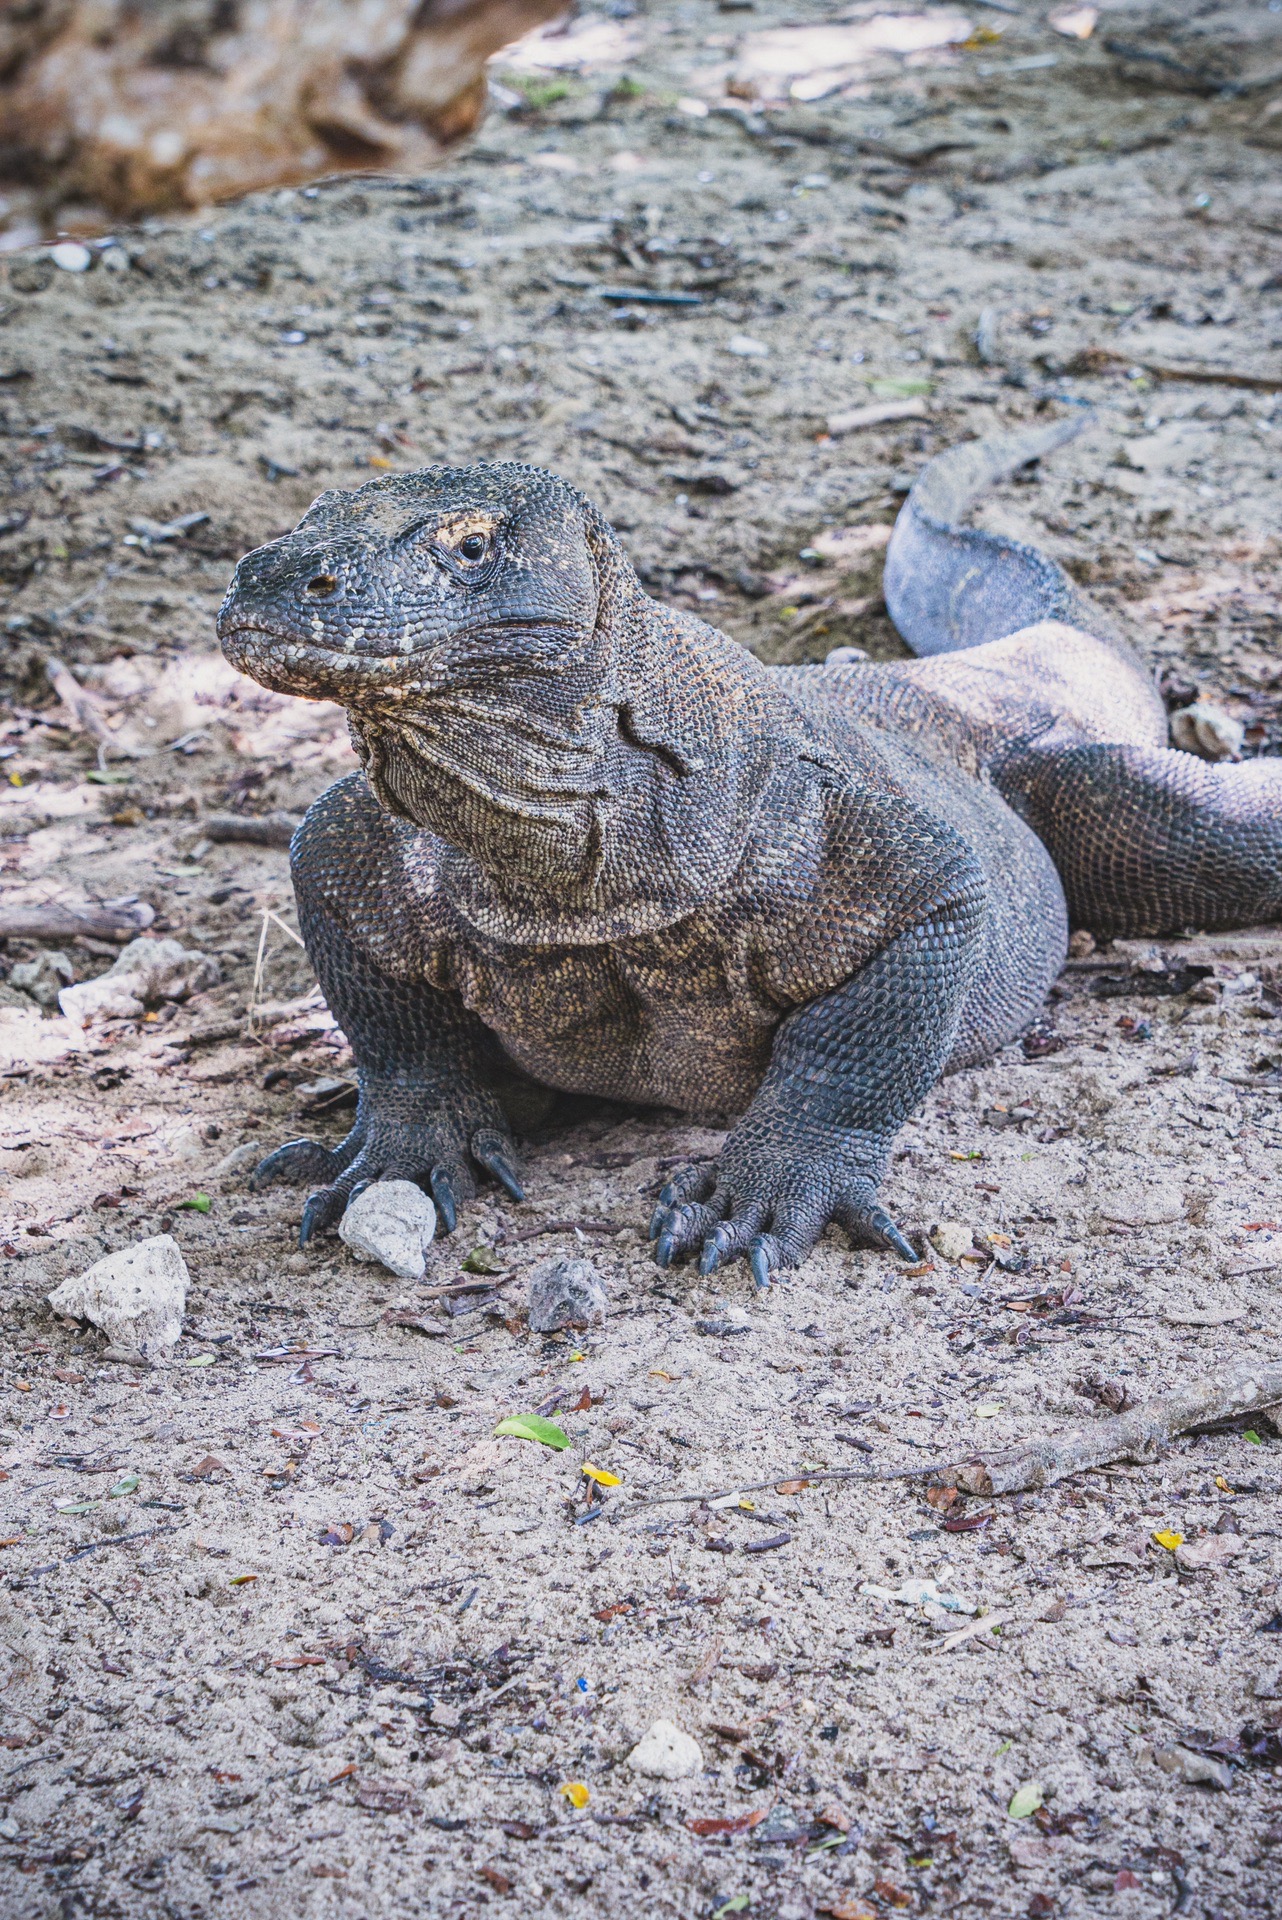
{"points": [[473, 546]]}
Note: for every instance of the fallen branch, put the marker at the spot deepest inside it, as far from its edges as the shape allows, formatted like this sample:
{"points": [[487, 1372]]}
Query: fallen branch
{"points": [[70, 923], [1139, 1434], [261, 830]]}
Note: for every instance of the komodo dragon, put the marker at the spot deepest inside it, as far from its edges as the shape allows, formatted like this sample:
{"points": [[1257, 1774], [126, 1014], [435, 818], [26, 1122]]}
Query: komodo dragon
{"points": [[599, 847]]}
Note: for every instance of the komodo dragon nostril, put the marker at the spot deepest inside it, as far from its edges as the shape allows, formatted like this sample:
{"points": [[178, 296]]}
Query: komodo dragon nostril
{"points": [[322, 585]]}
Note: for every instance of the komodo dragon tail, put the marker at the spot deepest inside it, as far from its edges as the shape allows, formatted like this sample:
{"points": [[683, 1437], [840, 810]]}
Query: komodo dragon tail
{"points": [[949, 586]]}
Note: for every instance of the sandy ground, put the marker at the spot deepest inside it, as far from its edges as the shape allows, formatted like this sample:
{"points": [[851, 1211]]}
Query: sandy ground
{"points": [[340, 1650]]}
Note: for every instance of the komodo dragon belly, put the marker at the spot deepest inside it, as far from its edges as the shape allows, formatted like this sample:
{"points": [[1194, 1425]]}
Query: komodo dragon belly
{"points": [[667, 1021]]}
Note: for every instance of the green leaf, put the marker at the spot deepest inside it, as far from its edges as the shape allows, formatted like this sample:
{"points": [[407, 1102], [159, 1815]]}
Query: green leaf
{"points": [[199, 1203], [202, 1360], [531, 1426], [103, 779], [907, 389], [76, 1506], [735, 1904], [1025, 1800], [1253, 1437], [127, 1483], [1005, 1747], [481, 1260]]}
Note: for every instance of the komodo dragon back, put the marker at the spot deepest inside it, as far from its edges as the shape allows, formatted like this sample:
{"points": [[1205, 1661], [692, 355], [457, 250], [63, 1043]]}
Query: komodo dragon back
{"points": [[950, 586]]}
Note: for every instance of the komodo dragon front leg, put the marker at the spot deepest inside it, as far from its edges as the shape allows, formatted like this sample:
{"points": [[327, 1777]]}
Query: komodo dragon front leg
{"points": [[427, 1108], [845, 1072]]}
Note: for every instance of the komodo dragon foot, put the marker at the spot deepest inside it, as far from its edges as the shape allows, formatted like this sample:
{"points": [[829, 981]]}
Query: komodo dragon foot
{"points": [[432, 1155], [771, 1207]]}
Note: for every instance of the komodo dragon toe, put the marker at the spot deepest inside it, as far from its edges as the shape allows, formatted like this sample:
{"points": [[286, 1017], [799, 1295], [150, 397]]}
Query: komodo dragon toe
{"points": [[598, 848]]}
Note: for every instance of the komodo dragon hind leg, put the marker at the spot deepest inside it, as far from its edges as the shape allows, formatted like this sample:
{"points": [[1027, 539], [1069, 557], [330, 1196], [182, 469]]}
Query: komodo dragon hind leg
{"points": [[950, 586], [1150, 841]]}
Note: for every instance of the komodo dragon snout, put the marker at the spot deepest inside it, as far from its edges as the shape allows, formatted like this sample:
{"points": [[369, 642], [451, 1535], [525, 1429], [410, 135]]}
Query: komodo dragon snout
{"points": [[600, 848], [448, 575]]}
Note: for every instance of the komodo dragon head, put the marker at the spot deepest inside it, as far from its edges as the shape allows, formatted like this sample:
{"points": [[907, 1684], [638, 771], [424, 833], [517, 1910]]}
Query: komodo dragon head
{"points": [[509, 683]]}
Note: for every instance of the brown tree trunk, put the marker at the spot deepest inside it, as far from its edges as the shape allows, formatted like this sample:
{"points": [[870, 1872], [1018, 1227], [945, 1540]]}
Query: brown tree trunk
{"points": [[140, 105]]}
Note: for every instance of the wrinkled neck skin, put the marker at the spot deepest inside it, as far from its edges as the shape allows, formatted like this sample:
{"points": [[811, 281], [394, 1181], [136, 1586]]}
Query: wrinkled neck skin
{"points": [[602, 792]]}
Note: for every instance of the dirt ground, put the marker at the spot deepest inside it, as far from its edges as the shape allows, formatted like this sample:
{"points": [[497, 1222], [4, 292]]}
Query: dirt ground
{"points": [[340, 1650]]}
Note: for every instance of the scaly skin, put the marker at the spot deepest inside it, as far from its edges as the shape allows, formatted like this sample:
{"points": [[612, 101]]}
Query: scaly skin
{"points": [[598, 847]]}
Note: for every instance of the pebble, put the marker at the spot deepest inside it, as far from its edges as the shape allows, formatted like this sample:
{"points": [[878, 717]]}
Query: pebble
{"points": [[666, 1753], [137, 1296], [950, 1238], [746, 347], [1194, 1769], [241, 1159], [43, 978], [392, 1222], [566, 1292], [71, 256], [146, 970]]}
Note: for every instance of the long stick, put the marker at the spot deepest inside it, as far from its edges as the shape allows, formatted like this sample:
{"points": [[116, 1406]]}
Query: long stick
{"points": [[1139, 1434]]}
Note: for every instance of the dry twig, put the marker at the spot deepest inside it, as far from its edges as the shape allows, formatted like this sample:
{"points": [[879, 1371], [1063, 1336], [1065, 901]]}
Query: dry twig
{"points": [[1139, 1434]]}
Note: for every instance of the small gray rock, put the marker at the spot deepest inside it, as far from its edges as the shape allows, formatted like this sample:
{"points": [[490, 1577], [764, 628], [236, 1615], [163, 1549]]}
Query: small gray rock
{"points": [[1195, 1769], [392, 1222], [43, 978], [566, 1292]]}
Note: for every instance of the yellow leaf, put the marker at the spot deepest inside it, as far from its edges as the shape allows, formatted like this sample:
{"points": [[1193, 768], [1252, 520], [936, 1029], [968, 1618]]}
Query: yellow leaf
{"points": [[602, 1476], [1169, 1540], [657, 1373], [1222, 1483], [379, 460], [576, 1793]]}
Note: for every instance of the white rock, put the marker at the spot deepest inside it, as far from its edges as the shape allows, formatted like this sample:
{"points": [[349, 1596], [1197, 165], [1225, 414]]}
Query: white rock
{"points": [[392, 1222], [1207, 731], [147, 970], [666, 1753], [565, 1292], [137, 1296], [950, 1238], [71, 256]]}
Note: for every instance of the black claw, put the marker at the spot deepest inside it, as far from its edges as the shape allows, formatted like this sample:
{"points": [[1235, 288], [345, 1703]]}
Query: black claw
{"points": [[759, 1260], [657, 1219], [488, 1149], [881, 1223], [356, 1192], [443, 1194], [295, 1162], [664, 1251], [314, 1214], [667, 1195], [715, 1249]]}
